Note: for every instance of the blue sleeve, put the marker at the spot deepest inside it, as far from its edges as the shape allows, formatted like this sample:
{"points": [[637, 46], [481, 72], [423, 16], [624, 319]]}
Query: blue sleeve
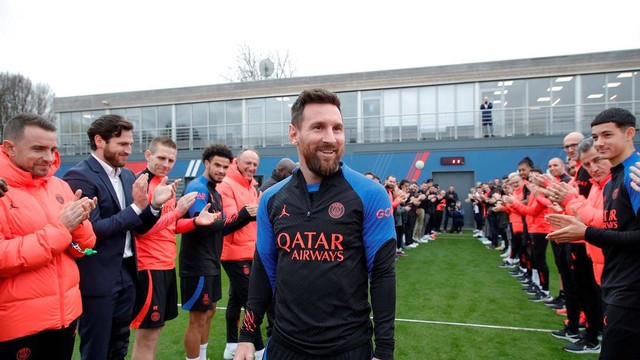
{"points": [[266, 241], [201, 198], [634, 196], [378, 225]]}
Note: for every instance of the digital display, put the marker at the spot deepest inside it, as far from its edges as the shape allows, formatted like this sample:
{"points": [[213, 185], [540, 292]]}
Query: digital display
{"points": [[452, 160]]}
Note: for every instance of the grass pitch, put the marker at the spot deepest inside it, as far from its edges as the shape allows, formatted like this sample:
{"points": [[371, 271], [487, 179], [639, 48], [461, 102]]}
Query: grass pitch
{"points": [[453, 302]]}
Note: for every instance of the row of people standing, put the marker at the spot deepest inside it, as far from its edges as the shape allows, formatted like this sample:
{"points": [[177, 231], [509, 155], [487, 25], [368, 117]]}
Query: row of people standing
{"points": [[130, 223]]}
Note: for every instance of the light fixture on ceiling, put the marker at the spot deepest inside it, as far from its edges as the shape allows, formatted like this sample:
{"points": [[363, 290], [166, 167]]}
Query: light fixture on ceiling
{"points": [[595, 96], [554, 88], [105, 102], [564, 79], [544, 98], [613, 84], [625, 75], [613, 97], [555, 102]]}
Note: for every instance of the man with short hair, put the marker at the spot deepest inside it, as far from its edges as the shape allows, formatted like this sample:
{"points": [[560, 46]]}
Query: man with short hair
{"points": [[557, 170], [329, 232], [282, 171], [107, 280], [200, 250], [612, 131], [156, 292], [238, 189], [43, 227], [580, 290]]}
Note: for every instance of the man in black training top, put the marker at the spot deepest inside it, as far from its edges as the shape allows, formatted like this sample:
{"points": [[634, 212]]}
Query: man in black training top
{"points": [[329, 232], [612, 131]]}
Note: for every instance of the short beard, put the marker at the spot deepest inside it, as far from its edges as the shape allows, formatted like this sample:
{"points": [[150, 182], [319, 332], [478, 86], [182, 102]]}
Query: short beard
{"points": [[112, 159], [319, 167]]}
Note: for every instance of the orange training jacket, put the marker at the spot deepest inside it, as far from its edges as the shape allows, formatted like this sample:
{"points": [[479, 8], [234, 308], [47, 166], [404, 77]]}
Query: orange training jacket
{"points": [[38, 275], [590, 210], [237, 191]]}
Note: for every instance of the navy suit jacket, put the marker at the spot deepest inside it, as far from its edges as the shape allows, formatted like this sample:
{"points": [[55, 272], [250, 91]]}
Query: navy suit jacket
{"points": [[110, 223]]}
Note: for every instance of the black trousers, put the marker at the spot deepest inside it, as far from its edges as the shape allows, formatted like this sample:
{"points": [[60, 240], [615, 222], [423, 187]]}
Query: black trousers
{"points": [[276, 350], [238, 273], [588, 294], [45, 345], [621, 335]]}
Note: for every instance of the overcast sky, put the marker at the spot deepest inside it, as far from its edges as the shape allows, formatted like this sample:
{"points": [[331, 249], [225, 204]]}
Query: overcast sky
{"points": [[83, 47]]}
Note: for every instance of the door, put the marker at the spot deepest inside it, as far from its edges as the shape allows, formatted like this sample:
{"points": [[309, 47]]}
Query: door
{"points": [[462, 182]]}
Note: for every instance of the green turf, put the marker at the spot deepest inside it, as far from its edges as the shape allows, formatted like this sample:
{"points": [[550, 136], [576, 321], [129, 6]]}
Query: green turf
{"points": [[452, 280]]}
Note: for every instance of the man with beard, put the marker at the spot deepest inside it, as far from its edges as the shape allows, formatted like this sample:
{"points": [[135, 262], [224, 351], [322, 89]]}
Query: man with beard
{"points": [[107, 280], [200, 249], [329, 232]]}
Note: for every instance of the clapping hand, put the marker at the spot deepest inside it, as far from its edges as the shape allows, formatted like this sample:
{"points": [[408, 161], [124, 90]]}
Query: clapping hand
{"points": [[77, 211]]}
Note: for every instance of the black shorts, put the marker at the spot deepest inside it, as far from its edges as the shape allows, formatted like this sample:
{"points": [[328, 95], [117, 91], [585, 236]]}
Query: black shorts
{"points": [[200, 293], [156, 299]]}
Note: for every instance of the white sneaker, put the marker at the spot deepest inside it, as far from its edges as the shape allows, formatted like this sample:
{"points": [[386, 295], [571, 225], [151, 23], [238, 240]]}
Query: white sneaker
{"points": [[258, 355], [413, 246], [230, 351], [486, 241]]}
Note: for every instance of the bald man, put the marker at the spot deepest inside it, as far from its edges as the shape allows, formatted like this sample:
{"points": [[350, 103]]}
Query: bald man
{"points": [[282, 171]]}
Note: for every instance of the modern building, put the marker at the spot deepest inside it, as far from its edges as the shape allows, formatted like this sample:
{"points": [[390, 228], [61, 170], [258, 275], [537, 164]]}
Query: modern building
{"points": [[392, 118]]}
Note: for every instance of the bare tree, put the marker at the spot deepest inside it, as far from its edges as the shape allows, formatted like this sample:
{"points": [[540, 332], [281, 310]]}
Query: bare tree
{"points": [[19, 95], [248, 67]]}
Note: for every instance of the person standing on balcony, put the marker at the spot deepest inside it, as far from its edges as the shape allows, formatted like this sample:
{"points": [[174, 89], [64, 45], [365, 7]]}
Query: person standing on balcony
{"points": [[487, 120]]}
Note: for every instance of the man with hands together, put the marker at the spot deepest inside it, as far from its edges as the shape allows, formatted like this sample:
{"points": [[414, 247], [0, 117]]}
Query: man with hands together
{"points": [[40, 220]]}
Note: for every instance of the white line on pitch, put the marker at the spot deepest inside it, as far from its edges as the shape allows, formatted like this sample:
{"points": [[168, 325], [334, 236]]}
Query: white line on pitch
{"points": [[451, 323], [472, 325]]}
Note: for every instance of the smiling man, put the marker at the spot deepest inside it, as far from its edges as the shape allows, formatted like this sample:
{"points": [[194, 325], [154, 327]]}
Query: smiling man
{"points": [[612, 131], [39, 218], [107, 280], [238, 189], [329, 232]]}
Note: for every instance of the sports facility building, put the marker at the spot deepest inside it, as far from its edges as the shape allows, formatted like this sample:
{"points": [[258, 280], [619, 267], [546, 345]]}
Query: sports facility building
{"points": [[392, 118]]}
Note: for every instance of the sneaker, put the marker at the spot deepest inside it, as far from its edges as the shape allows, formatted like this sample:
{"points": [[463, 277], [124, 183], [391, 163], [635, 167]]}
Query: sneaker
{"points": [[501, 247], [516, 272], [230, 351], [507, 265], [533, 290], [258, 355], [582, 346], [486, 241], [400, 253], [562, 312], [505, 254], [566, 334], [541, 296]]}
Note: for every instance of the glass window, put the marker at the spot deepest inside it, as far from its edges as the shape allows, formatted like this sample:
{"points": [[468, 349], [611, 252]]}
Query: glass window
{"points": [[409, 113], [183, 126], [593, 98], [216, 122], [445, 110], [234, 123], [539, 100], [164, 120], [371, 115], [274, 124], [620, 89], [465, 111], [391, 117], [349, 109], [427, 119], [255, 122]]}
